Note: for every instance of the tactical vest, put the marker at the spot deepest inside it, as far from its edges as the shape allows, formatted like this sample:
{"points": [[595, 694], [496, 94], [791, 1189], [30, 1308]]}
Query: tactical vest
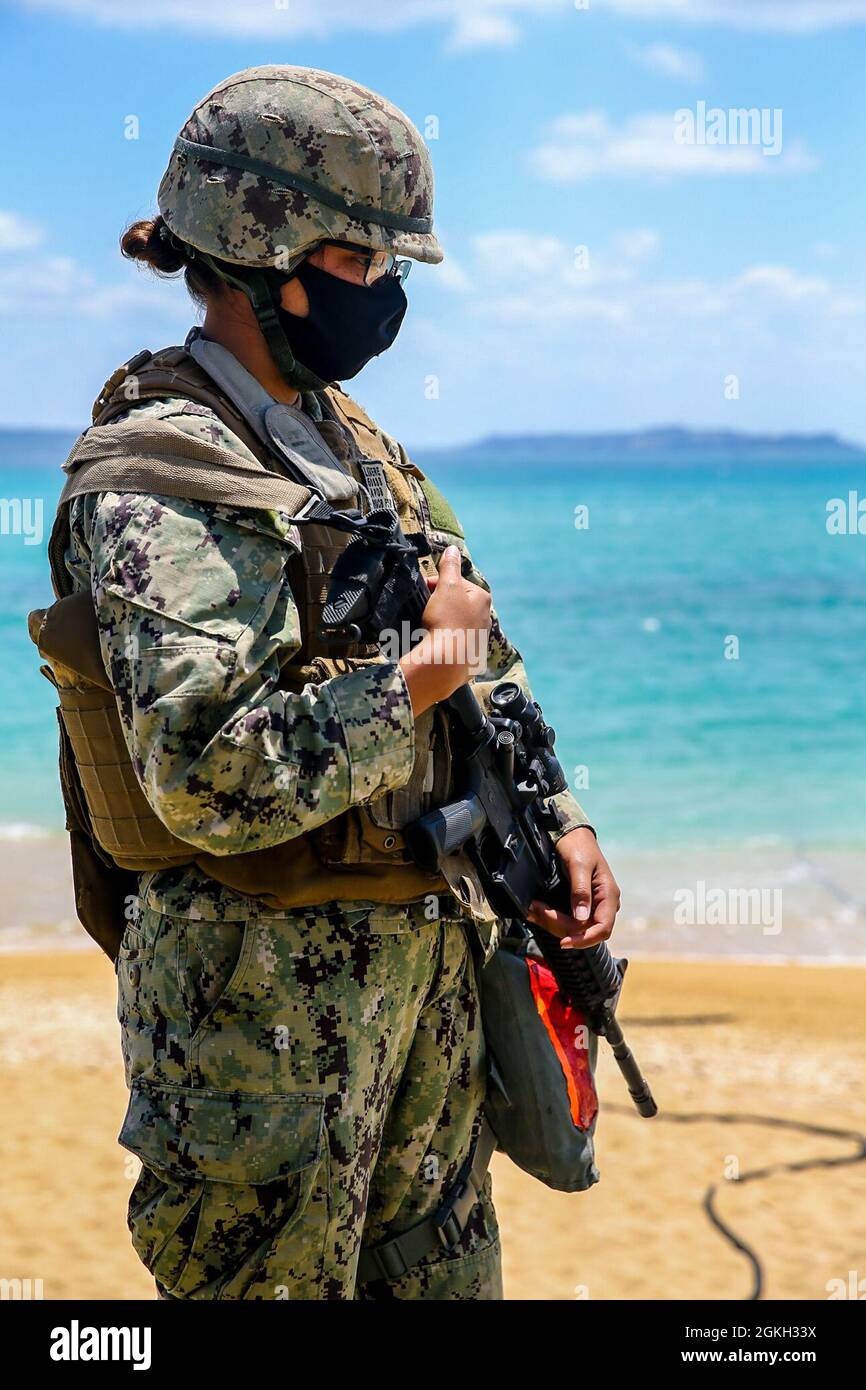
{"points": [[360, 854]]}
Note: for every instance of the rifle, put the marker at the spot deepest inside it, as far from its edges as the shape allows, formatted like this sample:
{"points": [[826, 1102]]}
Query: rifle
{"points": [[507, 772]]}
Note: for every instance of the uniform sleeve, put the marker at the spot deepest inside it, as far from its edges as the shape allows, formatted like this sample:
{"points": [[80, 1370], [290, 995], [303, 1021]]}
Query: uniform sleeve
{"points": [[504, 662], [196, 617]]}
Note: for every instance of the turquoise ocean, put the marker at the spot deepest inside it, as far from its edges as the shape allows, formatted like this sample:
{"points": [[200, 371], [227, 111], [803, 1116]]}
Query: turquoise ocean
{"points": [[697, 639]]}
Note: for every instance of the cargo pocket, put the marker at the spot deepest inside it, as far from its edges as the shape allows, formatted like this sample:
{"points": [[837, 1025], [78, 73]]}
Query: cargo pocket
{"points": [[135, 945], [471, 1278], [213, 958], [225, 1176], [134, 966], [471, 1272]]}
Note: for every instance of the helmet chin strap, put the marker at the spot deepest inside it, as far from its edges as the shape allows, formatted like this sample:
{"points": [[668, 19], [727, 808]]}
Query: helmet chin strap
{"points": [[262, 288]]}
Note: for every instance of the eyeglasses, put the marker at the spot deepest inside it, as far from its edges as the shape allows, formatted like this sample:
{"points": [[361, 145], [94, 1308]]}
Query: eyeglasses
{"points": [[382, 263], [378, 263]]}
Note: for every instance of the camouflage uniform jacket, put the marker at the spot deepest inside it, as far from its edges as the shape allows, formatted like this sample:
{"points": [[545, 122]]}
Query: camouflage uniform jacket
{"points": [[196, 617]]}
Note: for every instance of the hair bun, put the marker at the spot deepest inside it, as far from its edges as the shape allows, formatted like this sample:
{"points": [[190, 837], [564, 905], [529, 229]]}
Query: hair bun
{"points": [[152, 242]]}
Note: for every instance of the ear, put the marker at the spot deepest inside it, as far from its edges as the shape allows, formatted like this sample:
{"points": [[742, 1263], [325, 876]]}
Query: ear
{"points": [[293, 298]]}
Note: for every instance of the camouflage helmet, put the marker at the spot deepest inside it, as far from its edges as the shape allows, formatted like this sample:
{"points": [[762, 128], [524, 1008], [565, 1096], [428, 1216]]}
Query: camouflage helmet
{"points": [[277, 159]]}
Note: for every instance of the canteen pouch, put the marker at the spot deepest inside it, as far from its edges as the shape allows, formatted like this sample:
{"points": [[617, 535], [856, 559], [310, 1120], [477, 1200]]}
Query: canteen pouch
{"points": [[101, 889], [541, 1098]]}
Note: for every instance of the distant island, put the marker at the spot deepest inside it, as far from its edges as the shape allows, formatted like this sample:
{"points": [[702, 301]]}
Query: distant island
{"points": [[671, 441]]}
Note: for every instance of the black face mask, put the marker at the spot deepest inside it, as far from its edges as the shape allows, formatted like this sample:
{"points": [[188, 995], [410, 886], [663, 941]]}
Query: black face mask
{"points": [[347, 325]]}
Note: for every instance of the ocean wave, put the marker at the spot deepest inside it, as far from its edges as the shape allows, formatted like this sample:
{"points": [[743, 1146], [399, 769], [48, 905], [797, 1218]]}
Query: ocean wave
{"points": [[23, 830]]}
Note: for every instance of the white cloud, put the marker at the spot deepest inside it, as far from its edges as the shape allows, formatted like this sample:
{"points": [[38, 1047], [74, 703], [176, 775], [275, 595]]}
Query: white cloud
{"points": [[483, 28], [619, 318], [536, 280], [781, 285], [450, 275], [780, 282], [792, 16], [540, 344], [18, 233], [471, 23], [59, 288], [638, 245], [523, 276], [514, 255], [585, 145], [663, 58]]}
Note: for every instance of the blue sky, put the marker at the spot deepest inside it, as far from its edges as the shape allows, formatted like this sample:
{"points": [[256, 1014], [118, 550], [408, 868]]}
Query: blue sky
{"points": [[555, 131]]}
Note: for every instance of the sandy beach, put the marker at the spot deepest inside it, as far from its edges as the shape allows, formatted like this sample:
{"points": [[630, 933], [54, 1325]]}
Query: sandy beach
{"points": [[779, 1041]]}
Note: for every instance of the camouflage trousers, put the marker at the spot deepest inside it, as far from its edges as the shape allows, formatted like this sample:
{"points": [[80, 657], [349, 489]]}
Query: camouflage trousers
{"points": [[301, 1085]]}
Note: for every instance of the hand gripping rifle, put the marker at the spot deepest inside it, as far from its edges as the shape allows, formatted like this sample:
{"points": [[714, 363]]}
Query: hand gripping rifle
{"points": [[507, 770]]}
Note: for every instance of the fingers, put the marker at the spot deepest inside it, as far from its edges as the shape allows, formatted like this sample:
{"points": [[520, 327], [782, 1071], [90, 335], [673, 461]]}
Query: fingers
{"points": [[580, 940], [557, 923], [449, 564], [595, 904], [580, 877], [571, 936], [605, 904]]}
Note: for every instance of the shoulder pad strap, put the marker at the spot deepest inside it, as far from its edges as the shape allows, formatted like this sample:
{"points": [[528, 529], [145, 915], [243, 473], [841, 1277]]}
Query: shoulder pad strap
{"points": [[155, 457], [171, 372], [442, 516]]}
